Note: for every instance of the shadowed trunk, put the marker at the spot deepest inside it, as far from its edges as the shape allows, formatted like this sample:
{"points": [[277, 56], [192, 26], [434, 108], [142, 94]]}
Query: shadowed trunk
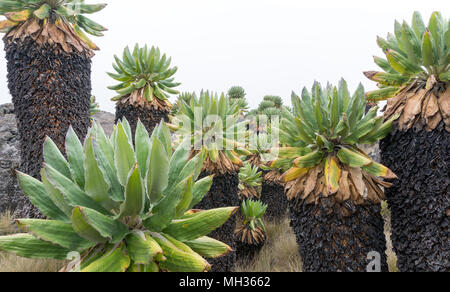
{"points": [[149, 116], [51, 90], [273, 195], [419, 200], [333, 239], [223, 193]]}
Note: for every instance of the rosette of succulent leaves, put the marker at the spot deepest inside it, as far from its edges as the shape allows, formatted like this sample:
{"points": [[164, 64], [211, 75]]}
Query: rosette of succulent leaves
{"points": [[31, 16], [252, 231], [146, 78], [121, 207], [210, 125], [416, 73], [271, 108], [184, 96], [250, 180], [321, 154], [94, 106]]}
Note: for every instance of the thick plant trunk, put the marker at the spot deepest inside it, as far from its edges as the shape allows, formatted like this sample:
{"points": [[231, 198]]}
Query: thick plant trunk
{"points": [[223, 193], [150, 117], [420, 199], [246, 252], [51, 90], [334, 239], [272, 194]]}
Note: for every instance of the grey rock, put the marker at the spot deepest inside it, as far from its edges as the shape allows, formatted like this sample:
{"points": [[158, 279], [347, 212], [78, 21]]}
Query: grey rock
{"points": [[11, 197], [106, 120]]}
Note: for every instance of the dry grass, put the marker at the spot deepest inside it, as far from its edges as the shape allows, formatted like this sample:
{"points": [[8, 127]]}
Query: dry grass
{"points": [[7, 225], [279, 254], [12, 263]]}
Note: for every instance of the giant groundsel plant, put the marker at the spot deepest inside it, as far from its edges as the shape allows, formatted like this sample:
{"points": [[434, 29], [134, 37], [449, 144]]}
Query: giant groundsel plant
{"points": [[322, 156], [122, 207]]}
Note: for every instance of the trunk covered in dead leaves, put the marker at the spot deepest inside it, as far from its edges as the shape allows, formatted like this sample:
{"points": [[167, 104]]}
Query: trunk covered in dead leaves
{"points": [[223, 193], [420, 199], [51, 90], [334, 237]]}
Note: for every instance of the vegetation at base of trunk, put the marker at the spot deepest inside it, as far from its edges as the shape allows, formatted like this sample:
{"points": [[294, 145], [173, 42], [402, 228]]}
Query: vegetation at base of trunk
{"points": [[416, 73], [122, 208], [252, 231], [209, 125], [250, 179]]}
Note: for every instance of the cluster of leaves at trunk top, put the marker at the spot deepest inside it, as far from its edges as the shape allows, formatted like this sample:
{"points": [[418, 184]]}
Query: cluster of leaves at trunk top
{"points": [[237, 94], [211, 125], [323, 132], [250, 180], [144, 74], [122, 207], [252, 231], [67, 11], [414, 53]]}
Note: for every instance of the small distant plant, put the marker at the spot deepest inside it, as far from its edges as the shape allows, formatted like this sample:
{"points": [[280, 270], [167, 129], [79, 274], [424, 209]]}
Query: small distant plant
{"points": [[250, 180], [94, 107], [183, 97], [252, 231], [122, 208]]}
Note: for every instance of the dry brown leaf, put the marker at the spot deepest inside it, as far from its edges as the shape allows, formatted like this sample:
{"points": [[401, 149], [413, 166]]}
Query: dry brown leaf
{"points": [[356, 177], [412, 108], [311, 181], [444, 107], [344, 185]]}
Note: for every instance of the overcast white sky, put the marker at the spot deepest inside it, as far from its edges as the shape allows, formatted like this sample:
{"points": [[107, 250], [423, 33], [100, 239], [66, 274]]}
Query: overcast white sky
{"points": [[266, 46]]}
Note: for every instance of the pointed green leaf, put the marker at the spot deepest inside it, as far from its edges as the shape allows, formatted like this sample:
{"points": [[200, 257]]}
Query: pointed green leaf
{"points": [[28, 246], [35, 191]]}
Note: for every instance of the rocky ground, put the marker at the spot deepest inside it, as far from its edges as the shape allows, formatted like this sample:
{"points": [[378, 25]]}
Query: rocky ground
{"points": [[11, 198]]}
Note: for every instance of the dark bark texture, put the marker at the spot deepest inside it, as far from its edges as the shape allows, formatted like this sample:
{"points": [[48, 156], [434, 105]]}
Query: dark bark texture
{"points": [[420, 199], [334, 239], [223, 193], [273, 195], [51, 90], [246, 252], [150, 117]]}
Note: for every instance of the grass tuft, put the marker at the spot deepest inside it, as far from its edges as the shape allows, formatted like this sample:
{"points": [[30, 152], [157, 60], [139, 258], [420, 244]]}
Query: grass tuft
{"points": [[13, 263]]}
